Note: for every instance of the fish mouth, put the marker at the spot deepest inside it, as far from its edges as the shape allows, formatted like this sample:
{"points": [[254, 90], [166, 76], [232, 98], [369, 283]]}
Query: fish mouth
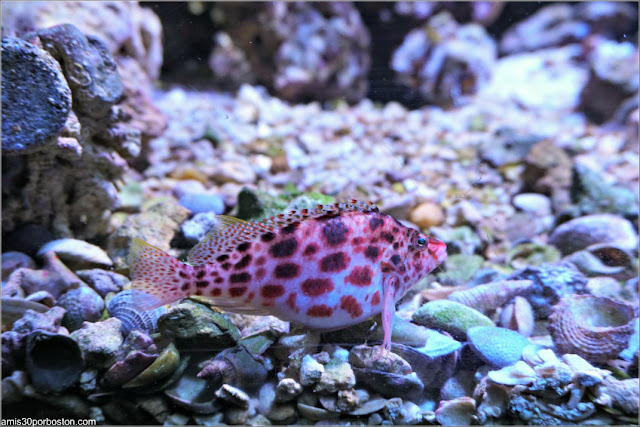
{"points": [[438, 248]]}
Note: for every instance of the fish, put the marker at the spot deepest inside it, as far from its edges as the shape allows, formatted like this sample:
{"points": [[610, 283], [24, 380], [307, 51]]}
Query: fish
{"points": [[325, 268]]}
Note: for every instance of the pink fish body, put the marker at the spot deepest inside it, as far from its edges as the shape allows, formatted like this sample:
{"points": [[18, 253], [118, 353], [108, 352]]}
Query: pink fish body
{"points": [[326, 268]]}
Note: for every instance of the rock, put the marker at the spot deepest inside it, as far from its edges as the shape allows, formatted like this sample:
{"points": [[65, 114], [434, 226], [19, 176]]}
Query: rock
{"points": [[197, 227], [194, 326], [99, 342], [337, 375], [310, 371], [287, 390], [12, 261], [36, 99], [201, 202], [82, 305], [461, 268], [432, 59], [49, 321], [588, 230], [103, 281], [427, 215], [533, 203], [450, 316], [498, 347]]}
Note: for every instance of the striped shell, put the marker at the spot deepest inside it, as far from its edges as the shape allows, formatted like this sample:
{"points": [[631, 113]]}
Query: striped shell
{"points": [[487, 298], [595, 328], [121, 306]]}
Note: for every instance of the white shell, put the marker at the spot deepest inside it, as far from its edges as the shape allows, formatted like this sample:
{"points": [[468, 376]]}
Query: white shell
{"points": [[518, 373], [76, 250]]}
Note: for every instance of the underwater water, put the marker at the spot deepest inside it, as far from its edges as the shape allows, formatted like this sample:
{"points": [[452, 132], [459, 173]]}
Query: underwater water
{"points": [[328, 213]]}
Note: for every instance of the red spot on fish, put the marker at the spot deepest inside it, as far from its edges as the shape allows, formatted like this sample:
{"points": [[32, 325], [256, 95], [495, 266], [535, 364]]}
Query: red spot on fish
{"points": [[260, 261], [321, 310], [185, 287], [375, 299], [287, 270], [311, 249], [335, 232], [375, 222], [357, 240], [360, 276], [372, 252], [250, 297], [243, 246], [336, 262], [284, 248], [218, 280], [405, 279], [237, 292], [349, 304], [316, 287], [243, 263], [240, 278], [260, 273], [272, 291], [202, 283], [291, 301], [200, 274]]}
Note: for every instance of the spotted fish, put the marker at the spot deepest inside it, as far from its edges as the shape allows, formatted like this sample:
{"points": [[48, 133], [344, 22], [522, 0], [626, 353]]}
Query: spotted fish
{"points": [[326, 268]]}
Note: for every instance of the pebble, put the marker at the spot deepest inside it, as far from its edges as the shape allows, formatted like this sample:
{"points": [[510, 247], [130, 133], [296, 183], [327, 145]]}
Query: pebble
{"points": [[197, 227], [77, 250], [337, 375], [533, 203], [12, 261], [310, 371], [99, 341], [202, 202], [427, 215], [498, 347], [451, 317]]}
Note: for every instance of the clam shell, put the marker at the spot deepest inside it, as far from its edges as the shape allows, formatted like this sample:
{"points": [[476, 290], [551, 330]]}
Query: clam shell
{"points": [[518, 316], [54, 362], [77, 250], [166, 364], [595, 328], [122, 307]]}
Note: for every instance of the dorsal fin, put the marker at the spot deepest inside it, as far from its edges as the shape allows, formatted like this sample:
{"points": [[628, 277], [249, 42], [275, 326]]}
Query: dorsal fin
{"points": [[229, 232]]}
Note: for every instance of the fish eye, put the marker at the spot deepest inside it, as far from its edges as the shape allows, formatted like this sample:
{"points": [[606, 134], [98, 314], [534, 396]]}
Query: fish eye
{"points": [[421, 243]]}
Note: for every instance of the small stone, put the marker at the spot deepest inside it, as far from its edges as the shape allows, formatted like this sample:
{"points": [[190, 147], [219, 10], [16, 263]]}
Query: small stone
{"points": [[287, 390], [498, 347], [427, 215], [12, 261], [99, 341], [310, 371], [103, 281], [283, 414], [197, 227], [83, 304], [450, 316], [533, 203], [234, 171], [201, 202], [337, 375]]}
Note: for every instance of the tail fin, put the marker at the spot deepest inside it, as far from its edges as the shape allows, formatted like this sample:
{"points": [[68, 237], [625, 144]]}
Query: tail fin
{"points": [[155, 276]]}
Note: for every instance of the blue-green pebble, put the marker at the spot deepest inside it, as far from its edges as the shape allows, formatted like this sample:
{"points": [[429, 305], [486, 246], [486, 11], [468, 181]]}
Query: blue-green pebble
{"points": [[498, 347]]}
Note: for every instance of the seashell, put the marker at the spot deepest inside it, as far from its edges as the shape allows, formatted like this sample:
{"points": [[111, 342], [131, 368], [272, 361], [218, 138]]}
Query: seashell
{"points": [[610, 255], [533, 355], [77, 251], [165, 365], [193, 393], [498, 347], [14, 308], [518, 373], [487, 298], [580, 233], [54, 362], [122, 307], [439, 345], [518, 316], [591, 265], [235, 366], [457, 412], [83, 304], [595, 328], [41, 297], [233, 395], [125, 370], [450, 316]]}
